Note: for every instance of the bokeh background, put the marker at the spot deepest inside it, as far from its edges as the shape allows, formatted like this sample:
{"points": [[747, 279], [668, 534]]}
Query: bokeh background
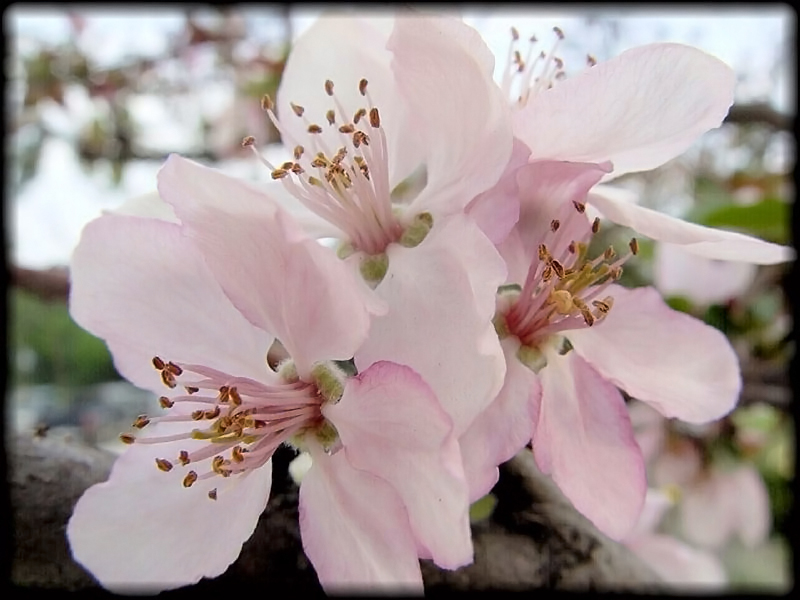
{"points": [[97, 98]]}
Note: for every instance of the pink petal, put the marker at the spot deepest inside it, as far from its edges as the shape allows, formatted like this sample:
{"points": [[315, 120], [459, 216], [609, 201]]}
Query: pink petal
{"points": [[443, 290], [392, 426], [280, 279], [701, 280], [696, 239], [708, 512], [656, 504], [649, 428], [679, 564], [584, 440], [504, 428], [637, 110], [754, 515], [674, 362], [679, 465], [496, 210], [142, 531], [355, 530], [443, 71], [138, 284], [147, 205]]}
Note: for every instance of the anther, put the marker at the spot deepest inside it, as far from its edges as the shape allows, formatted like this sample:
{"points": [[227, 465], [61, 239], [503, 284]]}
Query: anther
{"points": [[580, 207], [190, 478], [213, 494], [158, 363], [374, 118], [554, 225], [314, 128], [603, 305], [168, 379], [591, 60], [609, 253], [361, 112], [298, 152], [571, 247], [141, 421], [164, 464], [558, 32], [279, 173], [514, 34], [616, 273], [236, 399], [248, 141], [329, 87], [183, 458], [174, 369], [266, 102], [212, 414], [190, 389], [237, 455], [165, 402], [331, 116], [298, 110], [362, 87], [198, 415], [634, 246], [347, 128], [126, 438], [596, 225], [558, 268], [287, 165]]}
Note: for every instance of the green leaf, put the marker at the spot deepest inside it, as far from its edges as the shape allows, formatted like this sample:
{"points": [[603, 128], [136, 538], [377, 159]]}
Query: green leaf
{"points": [[482, 509], [768, 219]]}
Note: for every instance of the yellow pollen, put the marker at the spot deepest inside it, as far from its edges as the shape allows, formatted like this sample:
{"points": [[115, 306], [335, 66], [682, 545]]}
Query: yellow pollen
{"points": [[164, 464], [562, 300], [168, 379], [190, 478]]}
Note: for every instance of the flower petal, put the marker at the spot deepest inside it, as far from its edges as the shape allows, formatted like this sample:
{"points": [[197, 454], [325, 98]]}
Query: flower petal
{"points": [[696, 239], [147, 205], [142, 531], [138, 284], [584, 440], [674, 362], [355, 530], [637, 110], [708, 512], [392, 426], [280, 279], [443, 71], [679, 564], [504, 428], [441, 297], [496, 210], [754, 515]]}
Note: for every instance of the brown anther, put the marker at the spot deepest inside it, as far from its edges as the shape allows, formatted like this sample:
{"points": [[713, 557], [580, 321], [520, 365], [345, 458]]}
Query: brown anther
{"points": [[544, 253], [213, 494], [362, 87], [314, 181], [554, 225], [191, 390], [571, 247], [347, 128], [374, 117], [331, 116], [198, 415], [588, 317], [190, 478], [314, 128], [361, 112], [141, 421], [216, 464], [591, 60], [266, 102], [359, 137], [319, 162], [609, 253], [183, 458], [616, 273], [165, 402], [168, 379], [558, 268], [514, 34], [297, 169], [579, 303], [237, 455], [287, 165], [248, 141], [224, 423], [223, 394], [634, 246], [236, 399], [579, 206], [596, 225], [339, 156], [259, 424], [164, 465], [298, 152], [602, 306], [298, 110], [126, 438], [559, 63], [279, 173], [547, 274], [329, 87], [174, 369], [213, 413], [558, 32], [158, 363]]}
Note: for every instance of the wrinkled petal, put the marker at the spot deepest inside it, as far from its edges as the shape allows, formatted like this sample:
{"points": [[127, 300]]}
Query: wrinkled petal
{"points": [[695, 239], [139, 285], [496, 210], [584, 440], [280, 279], [504, 428], [142, 531], [355, 530], [637, 110], [701, 280], [679, 564], [674, 362], [441, 297], [392, 426], [443, 71]]}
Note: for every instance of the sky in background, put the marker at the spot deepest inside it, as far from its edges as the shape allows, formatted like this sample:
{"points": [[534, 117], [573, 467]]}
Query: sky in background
{"points": [[47, 216]]}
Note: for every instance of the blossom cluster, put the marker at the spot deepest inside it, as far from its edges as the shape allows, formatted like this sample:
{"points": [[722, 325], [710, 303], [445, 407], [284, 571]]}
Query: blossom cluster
{"points": [[455, 312]]}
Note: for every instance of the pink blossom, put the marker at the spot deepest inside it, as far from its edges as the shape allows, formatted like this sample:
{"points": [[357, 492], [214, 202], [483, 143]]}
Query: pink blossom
{"points": [[206, 291], [571, 337]]}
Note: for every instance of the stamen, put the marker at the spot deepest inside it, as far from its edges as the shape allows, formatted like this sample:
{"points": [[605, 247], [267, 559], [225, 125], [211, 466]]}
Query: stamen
{"points": [[190, 478]]}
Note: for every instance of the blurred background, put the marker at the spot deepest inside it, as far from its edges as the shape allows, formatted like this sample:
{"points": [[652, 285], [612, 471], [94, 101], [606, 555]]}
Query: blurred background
{"points": [[96, 99]]}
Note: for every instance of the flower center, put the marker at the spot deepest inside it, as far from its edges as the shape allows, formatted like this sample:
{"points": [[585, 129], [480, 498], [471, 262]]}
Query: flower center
{"points": [[350, 185], [563, 287], [523, 78], [243, 420]]}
